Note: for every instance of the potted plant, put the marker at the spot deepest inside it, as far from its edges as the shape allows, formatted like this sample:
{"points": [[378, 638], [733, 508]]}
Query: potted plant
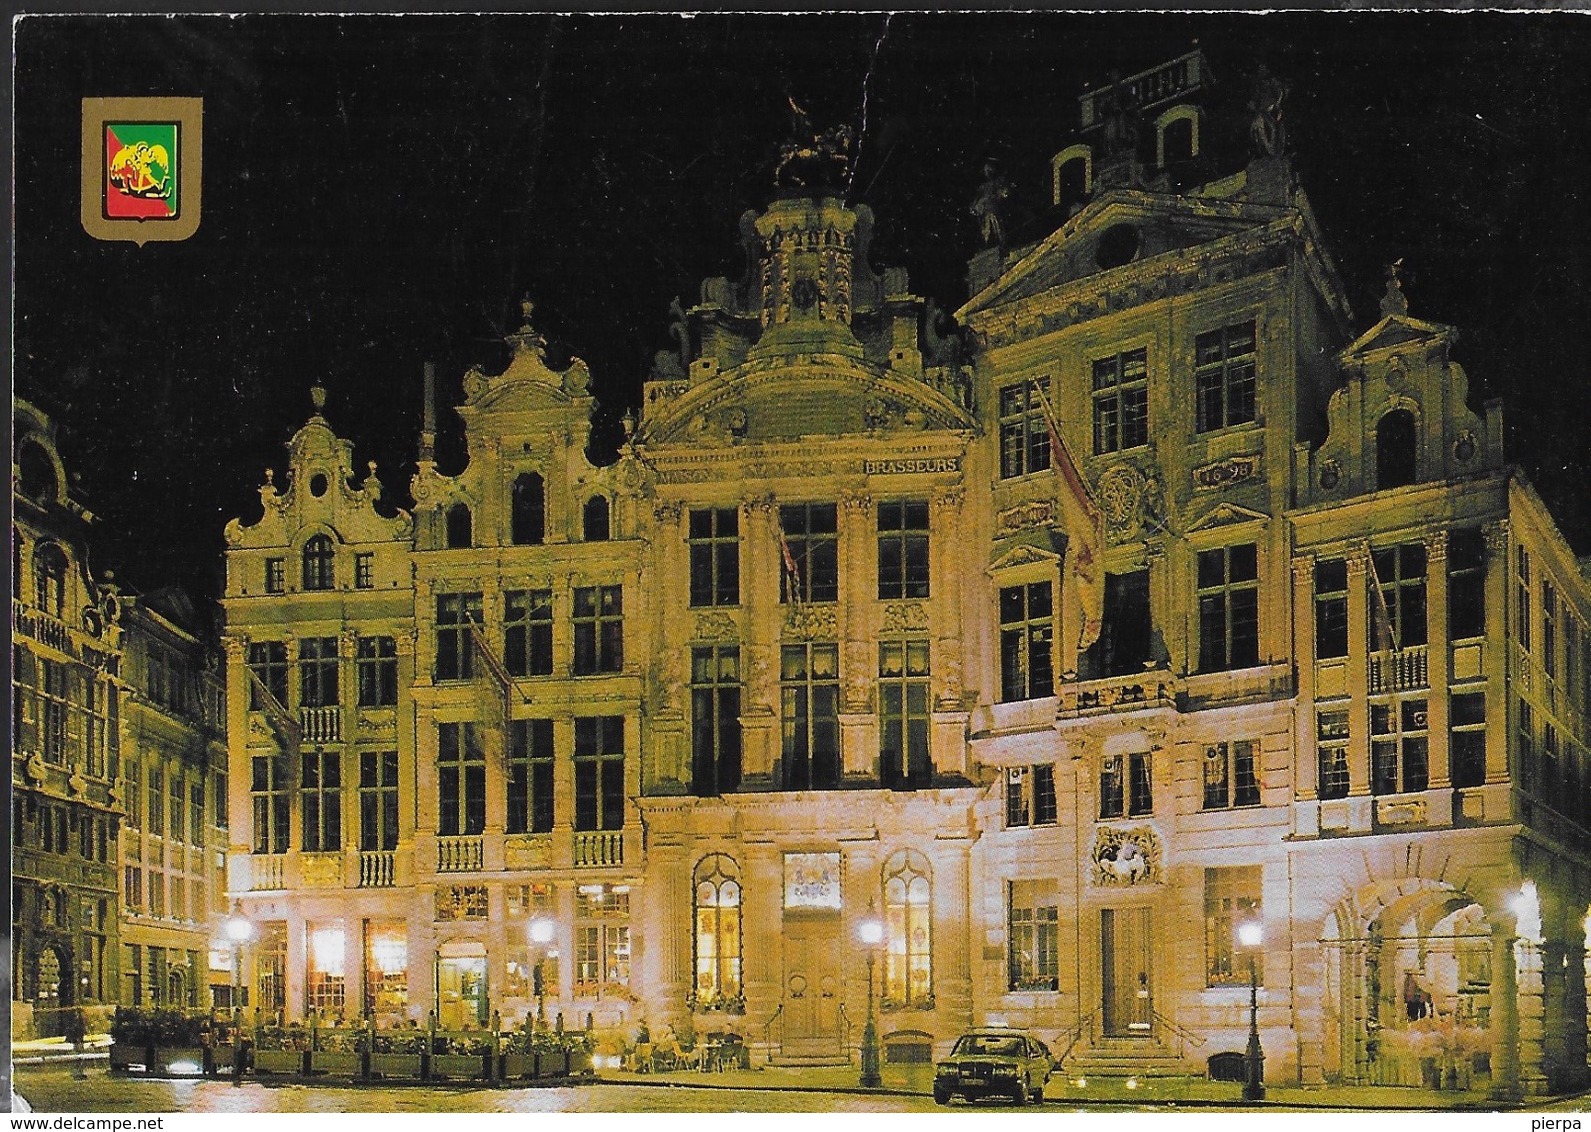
{"points": [[336, 1051], [461, 1056], [397, 1054]]}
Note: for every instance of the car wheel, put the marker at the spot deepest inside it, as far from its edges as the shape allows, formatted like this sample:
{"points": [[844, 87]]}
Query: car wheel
{"points": [[1021, 1096], [941, 1096], [1038, 1093]]}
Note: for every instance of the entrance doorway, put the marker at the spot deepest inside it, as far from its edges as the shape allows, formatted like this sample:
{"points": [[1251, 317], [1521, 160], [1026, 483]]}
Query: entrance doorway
{"points": [[461, 998], [1126, 1003], [812, 986]]}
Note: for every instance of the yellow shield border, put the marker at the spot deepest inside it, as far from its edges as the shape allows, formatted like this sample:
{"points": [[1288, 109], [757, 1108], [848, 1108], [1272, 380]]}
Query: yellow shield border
{"points": [[188, 113]]}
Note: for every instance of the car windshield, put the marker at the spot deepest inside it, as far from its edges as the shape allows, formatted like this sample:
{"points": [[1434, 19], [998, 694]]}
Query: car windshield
{"points": [[998, 1045]]}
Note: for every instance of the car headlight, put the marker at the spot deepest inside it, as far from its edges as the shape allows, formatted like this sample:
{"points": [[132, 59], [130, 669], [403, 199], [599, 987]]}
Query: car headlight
{"points": [[1005, 1071], [944, 1070]]}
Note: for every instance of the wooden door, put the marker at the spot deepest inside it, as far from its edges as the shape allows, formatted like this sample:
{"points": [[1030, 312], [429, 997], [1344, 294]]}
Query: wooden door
{"points": [[812, 986], [1125, 982]]}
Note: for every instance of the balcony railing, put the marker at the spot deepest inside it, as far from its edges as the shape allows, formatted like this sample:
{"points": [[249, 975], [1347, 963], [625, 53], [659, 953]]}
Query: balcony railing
{"points": [[1399, 671], [1132, 692], [41, 627], [321, 724], [267, 872], [598, 847], [459, 855], [378, 868]]}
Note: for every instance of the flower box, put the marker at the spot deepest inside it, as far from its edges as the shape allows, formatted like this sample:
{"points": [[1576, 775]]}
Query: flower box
{"points": [[125, 1055], [391, 1065], [338, 1063], [459, 1066], [278, 1061]]}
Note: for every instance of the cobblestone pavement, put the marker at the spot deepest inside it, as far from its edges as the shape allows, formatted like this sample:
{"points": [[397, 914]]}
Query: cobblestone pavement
{"points": [[56, 1090]]}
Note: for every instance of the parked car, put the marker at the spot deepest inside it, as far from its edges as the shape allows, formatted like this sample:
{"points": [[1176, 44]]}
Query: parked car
{"points": [[994, 1062]]}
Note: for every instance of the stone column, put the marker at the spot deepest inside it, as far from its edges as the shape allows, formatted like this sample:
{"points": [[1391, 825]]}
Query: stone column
{"points": [[858, 566], [1358, 560], [1306, 770], [408, 759], [241, 813], [760, 570], [1498, 709], [1438, 657], [1504, 1010]]}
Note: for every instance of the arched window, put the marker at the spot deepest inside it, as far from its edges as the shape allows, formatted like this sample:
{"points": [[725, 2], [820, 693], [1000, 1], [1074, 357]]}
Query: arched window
{"points": [[529, 518], [908, 930], [36, 472], [595, 519], [460, 531], [716, 900], [319, 557], [49, 580], [1396, 455]]}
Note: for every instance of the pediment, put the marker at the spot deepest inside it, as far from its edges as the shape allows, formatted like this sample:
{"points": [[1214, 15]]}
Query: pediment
{"points": [[1396, 330], [1227, 515], [1114, 231], [793, 402], [1024, 554]]}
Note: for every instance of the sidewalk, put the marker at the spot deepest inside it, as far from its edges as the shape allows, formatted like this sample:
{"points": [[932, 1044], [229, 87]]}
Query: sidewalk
{"points": [[1193, 1092], [38, 1051]]}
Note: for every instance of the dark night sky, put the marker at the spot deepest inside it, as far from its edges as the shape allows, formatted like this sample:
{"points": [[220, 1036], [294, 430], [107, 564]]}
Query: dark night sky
{"points": [[380, 190]]}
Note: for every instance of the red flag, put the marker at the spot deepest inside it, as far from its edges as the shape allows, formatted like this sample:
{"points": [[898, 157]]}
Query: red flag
{"points": [[1380, 615], [1085, 529], [287, 727], [792, 571]]}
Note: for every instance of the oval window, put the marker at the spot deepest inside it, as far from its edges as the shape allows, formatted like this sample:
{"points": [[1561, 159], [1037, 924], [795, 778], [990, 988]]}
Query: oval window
{"points": [[1117, 246], [317, 484]]}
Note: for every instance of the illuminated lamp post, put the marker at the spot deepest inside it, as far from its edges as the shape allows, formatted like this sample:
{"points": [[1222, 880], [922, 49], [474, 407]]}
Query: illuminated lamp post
{"points": [[1250, 934], [239, 929], [541, 931], [871, 932]]}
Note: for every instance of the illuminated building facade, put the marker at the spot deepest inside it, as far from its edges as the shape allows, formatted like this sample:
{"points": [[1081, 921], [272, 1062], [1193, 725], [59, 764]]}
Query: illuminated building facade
{"points": [[651, 739]]}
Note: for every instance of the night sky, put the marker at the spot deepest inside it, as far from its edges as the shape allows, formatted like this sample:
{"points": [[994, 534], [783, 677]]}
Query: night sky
{"points": [[379, 191]]}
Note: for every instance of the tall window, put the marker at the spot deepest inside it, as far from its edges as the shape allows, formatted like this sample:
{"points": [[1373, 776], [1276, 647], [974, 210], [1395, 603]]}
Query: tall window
{"points": [[1127, 631], [811, 536], [527, 632], [1523, 632], [599, 772], [1549, 627], [1033, 912], [49, 579], [318, 563], [1024, 435], [1331, 608], [461, 780], [157, 801], [317, 671], [321, 795], [377, 663], [715, 720], [908, 930], [1467, 719], [268, 660], [903, 550], [1466, 583], [275, 575], [460, 527], [455, 653], [903, 714], [1229, 775], [1331, 743], [594, 519], [530, 763], [1400, 570], [599, 629], [714, 542], [1399, 747], [1527, 746], [1229, 608], [54, 704], [1121, 402], [1397, 450], [602, 937], [717, 937], [1231, 896], [1030, 795], [364, 570], [326, 985], [378, 800], [810, 696], [1126, 786], [1549, 764], [1027, 633], [1223, 377], [269, 791], [528, 518]]}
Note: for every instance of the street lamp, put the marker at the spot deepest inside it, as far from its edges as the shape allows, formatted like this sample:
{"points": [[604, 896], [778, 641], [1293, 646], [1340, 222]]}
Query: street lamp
{"points": [[239, 929], [871, 932], [1250, 934], [541, 931]]}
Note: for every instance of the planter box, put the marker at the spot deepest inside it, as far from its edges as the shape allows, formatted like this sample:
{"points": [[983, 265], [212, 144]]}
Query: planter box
{"points": [[278, 1061], [390, 1065], [580, 1062], [191, 1058], [336, 1062], [123, 1056], [552, 1063], [516, 1066], [459, 1066]]}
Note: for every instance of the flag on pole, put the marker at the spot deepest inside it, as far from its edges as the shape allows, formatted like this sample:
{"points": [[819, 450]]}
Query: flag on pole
{"points": [[1085, 529], [287, 727], [493, 663], [1380, 616], [792, 572]]}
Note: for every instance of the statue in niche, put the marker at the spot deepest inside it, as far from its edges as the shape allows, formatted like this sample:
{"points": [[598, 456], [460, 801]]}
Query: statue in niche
{"points": [[679, 329], [988, 204], [1267, 132], [1120, 135]]}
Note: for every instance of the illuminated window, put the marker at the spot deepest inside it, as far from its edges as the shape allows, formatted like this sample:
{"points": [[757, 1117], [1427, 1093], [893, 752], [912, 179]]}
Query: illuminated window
{"points": [[386, 967], [326, 986], [1231, 896], [908, 931], [1033, 916], [602, 937], [717, 938], [318, 563], [1229, 775]]}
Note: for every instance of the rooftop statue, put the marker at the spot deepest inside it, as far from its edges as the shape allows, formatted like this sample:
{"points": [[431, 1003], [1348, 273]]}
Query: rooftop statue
{"points": [[989, 202], [810, 160], [1267, 132]]}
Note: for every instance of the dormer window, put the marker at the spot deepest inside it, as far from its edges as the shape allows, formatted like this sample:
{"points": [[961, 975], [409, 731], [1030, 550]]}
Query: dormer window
{"points": [[318, 560], [460, 531], [528, 521], [49, 580], [595, 520]]}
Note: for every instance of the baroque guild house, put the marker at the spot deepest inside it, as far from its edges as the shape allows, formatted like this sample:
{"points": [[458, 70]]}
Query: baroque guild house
{"points": [[1266, 631]]}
